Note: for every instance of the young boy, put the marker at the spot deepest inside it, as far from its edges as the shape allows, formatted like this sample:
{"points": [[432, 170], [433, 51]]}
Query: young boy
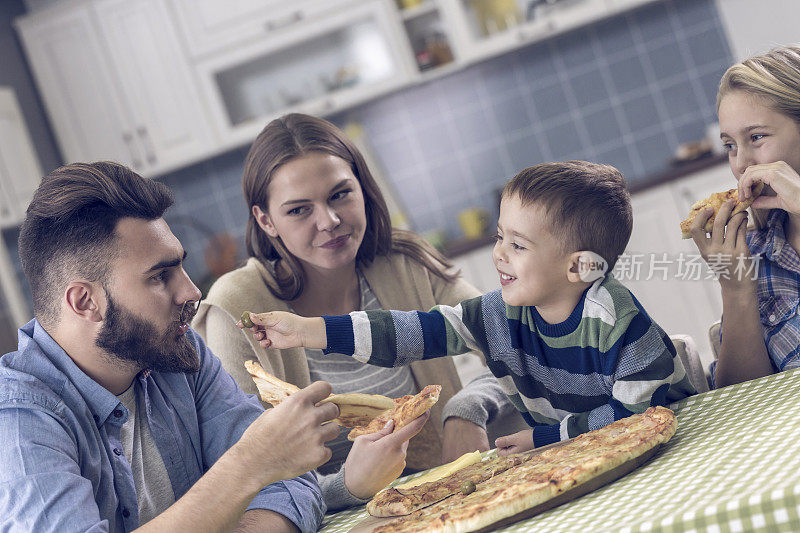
{"points": [[570, 346]]}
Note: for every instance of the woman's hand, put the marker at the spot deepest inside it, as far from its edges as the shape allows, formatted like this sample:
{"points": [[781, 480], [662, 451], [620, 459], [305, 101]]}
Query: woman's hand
{"points": [[725, 251], [279, 329], [515, 443], [377, 459], [781, 178]]}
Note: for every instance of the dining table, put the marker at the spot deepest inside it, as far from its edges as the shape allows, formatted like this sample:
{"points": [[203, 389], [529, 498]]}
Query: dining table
{"points": [[732, 465]]}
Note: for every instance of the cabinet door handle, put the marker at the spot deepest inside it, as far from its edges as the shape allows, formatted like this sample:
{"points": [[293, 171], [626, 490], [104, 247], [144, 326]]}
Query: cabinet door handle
{"points": [[292, 18], [127, 137], [149, 149]]}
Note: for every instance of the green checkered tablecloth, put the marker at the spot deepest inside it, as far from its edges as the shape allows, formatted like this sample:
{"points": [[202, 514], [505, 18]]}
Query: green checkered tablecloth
{"points": [[733, 465]]}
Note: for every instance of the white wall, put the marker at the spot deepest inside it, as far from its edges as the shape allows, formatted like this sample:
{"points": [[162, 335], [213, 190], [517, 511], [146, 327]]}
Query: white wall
{"points": [[755, 26]]}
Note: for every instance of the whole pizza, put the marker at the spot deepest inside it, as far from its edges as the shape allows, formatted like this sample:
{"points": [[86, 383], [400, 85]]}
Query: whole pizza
{"points": [[505, 489]]}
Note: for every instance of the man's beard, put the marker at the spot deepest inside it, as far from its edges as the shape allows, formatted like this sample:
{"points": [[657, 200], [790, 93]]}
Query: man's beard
{"points": [[130, 338]]}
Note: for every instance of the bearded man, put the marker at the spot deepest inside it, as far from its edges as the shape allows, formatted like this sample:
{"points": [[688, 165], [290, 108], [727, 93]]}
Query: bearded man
{"points": [[113, 412]]}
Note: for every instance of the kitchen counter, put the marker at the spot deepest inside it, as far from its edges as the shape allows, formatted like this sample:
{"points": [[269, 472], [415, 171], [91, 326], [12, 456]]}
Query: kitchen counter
{"points": [[675, 172]]}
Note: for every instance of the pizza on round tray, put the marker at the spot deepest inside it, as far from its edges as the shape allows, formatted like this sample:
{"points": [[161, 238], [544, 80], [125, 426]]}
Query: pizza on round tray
{"points": [[497, 491]]}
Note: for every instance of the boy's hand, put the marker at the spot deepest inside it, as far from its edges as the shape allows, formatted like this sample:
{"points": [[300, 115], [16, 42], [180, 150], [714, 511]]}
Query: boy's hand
{"points": [[279, 329], [515, 443]]}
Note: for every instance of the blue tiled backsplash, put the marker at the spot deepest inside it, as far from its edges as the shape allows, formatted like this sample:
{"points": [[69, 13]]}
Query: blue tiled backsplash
{"points": [[625, 91]]}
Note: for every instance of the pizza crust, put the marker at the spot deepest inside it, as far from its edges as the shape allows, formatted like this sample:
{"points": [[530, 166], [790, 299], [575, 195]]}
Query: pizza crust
{"points": [[355, 409], [365, 413], [271, 389], [715, 201]]}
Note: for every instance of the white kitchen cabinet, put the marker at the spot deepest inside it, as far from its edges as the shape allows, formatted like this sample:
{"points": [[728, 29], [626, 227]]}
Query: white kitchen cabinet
{"points": [[169, 119], [484, 28], [477, 267], [115, 83], [66, 55], [622, 5], [20, 172], [681, 304], [430, 34], [211, 26], [650, 269], [322, 65]]}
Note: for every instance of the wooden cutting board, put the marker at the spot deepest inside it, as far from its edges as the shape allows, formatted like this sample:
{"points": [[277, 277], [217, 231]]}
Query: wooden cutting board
{"points": [[368, 524]]}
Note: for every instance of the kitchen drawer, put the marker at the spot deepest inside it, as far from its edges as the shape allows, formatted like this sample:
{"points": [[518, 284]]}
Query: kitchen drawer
{"points": [[210, 26]]}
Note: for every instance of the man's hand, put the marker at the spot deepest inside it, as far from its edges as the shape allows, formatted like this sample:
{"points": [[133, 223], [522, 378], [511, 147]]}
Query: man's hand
{"points": [[289, 440], [377, 459], [279, 329], [462, 436], [515, 443]]}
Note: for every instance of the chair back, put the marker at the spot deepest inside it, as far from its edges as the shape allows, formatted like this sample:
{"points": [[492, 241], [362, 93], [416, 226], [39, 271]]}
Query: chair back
{"points": [[687, 351]]}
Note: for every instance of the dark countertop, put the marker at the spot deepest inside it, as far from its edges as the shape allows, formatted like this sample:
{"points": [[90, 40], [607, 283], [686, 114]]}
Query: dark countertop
{"points": [[676, 171], [462, 246]]}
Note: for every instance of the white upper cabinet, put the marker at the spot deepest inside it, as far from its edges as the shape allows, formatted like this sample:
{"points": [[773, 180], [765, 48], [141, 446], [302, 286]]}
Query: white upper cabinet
{"points": [[161, 84], [318, 66], [169, 119], [489, 27], [116, 84], [66, 55], [210, 26], [19, 168]]}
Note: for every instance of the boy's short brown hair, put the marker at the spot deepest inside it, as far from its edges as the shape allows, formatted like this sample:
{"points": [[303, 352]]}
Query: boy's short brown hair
{"points": [[587, 204]]}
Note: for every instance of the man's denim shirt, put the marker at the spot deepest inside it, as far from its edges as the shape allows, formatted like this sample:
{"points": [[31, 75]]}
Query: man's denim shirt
{"points": [[61, 461]]}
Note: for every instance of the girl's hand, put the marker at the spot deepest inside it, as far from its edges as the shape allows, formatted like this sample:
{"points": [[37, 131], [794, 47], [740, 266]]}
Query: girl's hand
{"points": [[781, 178], [515, 443], [377, 459], [279, 329], [725, 251]]}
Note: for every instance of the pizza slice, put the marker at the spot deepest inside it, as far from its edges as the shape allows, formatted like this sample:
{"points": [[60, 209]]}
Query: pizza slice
{"points": [[406, 410], [397, 501], [271, 389], [715, 201], [356, 410]]}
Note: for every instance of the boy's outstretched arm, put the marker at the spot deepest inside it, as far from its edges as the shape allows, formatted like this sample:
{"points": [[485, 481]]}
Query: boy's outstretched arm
{"points": [[381, 338], [279, 329]]}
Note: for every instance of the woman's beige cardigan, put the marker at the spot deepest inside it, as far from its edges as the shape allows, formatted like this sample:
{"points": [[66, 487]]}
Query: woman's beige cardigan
{"points": [[398, 282]]}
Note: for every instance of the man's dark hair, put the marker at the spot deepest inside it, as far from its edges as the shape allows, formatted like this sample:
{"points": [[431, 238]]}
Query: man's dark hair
{"points": [[68, 231], [587, 204]]}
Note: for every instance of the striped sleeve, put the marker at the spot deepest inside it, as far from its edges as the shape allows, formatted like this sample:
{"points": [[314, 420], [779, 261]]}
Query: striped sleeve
{"points": [[648, 372], [397, 338]]}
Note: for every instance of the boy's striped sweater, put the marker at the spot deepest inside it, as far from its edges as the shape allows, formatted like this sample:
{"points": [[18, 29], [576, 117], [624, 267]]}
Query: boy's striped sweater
{"points": [[606, 361]]}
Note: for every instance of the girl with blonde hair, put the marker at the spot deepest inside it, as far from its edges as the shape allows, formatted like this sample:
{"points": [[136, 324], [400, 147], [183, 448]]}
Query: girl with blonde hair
{"points": [[758, 105]]}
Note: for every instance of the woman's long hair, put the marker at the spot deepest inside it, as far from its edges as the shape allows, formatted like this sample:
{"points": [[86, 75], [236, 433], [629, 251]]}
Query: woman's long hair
{"points": [[295, 135], [773, 77]]}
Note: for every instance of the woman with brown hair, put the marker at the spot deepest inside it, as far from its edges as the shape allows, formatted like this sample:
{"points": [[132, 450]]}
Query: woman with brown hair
{"points": [[320, 242], [758, 104]]}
